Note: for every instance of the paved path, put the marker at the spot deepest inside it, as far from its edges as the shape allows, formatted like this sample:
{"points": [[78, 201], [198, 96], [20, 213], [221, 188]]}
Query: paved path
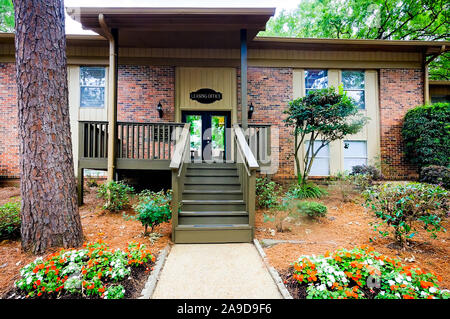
{"points": [[216, 271]]}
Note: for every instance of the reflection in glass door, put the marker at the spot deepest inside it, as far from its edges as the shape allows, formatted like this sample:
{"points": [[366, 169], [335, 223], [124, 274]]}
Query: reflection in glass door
{"points": [[208, 134]]}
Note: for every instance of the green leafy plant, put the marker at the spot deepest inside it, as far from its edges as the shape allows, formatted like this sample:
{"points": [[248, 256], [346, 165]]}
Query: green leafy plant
{"points": [[267, 193], [307, 190], [434, 174], [373, 172], [400, 205], [426, 135], [89, 272], [322, 115], [312, 209], [91, 182], [115, 292], [10, 220], [362, 273], [153, 208], [116, 195]]}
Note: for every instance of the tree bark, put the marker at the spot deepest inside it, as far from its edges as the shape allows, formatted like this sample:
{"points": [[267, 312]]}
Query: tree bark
{"points": [[50, 215]]}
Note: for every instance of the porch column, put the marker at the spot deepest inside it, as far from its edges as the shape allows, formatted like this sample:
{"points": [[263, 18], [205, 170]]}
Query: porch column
{"points": [[244, 79], [112, 104]]}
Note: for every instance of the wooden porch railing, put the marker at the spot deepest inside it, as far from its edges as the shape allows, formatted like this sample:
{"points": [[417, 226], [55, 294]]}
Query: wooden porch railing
{"points": [[181, 156], [153, 141], [259, 140], [247, 166]]}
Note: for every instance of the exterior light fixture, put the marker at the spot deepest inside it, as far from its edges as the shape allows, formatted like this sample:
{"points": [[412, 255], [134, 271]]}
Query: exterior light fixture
{"points": [[160, 110], [250, 110]]}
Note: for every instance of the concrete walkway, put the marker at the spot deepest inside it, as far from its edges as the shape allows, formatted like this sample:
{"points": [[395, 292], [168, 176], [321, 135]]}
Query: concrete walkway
{"points": [[216, 271]]}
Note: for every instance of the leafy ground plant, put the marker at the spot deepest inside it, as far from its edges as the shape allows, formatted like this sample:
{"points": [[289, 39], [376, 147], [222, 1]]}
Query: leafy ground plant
{"points": [[307, 190], [153, 208], [115, 194], [91, 272], [404, 206], [312, 209], [267, 193], [10, 220], [361, 273]]}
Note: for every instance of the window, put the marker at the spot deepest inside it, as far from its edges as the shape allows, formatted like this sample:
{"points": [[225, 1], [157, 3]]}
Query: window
{"points": [[92, 86], [353, 82], [321, 164], [355, 153], [315, 79]]}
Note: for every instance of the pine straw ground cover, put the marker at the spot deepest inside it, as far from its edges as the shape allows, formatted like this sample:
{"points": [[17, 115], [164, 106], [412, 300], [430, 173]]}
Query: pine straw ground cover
{"points": [[346, 227], [115, 230]]}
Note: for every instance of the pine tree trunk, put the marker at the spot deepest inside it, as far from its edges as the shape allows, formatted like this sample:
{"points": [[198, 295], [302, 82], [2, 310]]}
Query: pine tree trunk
{"points": [[48, 188]]}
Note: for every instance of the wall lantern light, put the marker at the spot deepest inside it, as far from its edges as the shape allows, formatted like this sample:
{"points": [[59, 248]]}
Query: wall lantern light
{"points": [[160, 110], [250, 110]]}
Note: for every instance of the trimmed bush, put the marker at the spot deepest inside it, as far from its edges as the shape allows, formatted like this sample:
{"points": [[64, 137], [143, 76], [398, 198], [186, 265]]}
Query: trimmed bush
{"points": [[115, 194], [266, 193], [10, 220], [438, 175], [153, 208], [372, 171], [426, 134], [399, 205], [362, 273], [312, 209]]}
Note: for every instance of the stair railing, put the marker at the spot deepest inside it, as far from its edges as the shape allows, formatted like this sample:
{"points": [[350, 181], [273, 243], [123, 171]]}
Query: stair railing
{"points": [[247, 165], [181, 155]]}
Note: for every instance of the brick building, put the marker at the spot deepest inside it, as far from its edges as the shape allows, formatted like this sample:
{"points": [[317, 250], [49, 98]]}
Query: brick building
{"points": [[189, 70]]}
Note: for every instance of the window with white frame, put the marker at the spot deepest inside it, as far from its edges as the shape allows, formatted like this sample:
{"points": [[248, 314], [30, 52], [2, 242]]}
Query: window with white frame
{"points": [[315, 79], [353, 82], [355, 153], [92, 86], [321, 163]]}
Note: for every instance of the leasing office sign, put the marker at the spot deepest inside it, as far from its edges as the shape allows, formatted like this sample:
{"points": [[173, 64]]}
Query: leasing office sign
{"points": [[205, 96]]}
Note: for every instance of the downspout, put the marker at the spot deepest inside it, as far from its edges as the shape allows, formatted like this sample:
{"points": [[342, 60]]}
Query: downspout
{"points": [[112, 95], [426, 85]]}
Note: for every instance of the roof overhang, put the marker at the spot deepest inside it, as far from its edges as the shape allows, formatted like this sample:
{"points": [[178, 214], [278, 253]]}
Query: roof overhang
{"points": [[175, 27]]}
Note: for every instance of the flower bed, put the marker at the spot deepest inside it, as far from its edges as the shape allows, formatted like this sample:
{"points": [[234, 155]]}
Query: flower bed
{"points": [[95, 271], [360, 273]]}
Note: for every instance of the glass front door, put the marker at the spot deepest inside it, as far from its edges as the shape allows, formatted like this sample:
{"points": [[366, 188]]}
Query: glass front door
{"points": [[209, 134]]}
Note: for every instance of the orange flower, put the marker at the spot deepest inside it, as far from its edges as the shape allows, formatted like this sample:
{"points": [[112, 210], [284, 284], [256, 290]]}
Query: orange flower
{"points": [[407, 297]]}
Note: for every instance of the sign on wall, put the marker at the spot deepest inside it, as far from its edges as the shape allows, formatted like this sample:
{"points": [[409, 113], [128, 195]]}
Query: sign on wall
{"points": [[205, 96]]}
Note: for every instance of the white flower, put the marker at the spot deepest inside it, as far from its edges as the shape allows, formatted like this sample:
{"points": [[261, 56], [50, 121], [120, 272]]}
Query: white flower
{"points": [[391, 282], [432, 290]]}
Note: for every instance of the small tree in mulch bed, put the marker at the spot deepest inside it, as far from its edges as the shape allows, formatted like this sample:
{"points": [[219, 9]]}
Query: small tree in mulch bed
{"points": [[153, 208], [360, 273], [96, 271]]}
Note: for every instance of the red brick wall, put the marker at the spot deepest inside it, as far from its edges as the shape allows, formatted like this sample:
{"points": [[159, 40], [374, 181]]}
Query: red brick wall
{"points": [[140, 88], [9, 144], [400, 90], [270, 90]]}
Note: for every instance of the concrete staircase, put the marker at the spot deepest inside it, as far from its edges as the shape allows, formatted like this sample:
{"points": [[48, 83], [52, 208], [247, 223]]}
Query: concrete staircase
{"points": [[212, 207]]}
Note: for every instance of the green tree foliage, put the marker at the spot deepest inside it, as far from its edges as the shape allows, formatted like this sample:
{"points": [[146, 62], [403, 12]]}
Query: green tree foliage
{"points": [[322, 115], [426, 134], [369, 19], [6, 16]]}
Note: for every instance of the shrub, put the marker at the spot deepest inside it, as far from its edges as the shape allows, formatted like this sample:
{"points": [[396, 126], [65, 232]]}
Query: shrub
{"points": [[266, 193], [399, 205], [91, 182], [312, 209], [10, 220], [308, 190], [426, 135], [91, 271], [115, 194], [372, 171], [362, 273], [438, 175], [153, 208]]}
